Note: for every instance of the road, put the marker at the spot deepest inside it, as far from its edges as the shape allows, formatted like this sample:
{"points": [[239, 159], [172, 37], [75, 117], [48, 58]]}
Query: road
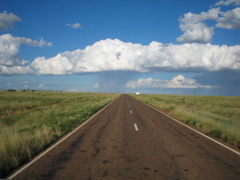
{"points": [[130, 140]]}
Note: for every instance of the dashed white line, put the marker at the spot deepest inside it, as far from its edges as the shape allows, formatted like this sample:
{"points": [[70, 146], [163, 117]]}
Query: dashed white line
{"points": [[135, 125], [131, 112]]}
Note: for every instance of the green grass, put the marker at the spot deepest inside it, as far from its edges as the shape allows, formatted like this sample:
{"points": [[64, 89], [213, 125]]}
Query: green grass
{"points": [[31, 121], [217, 116]]}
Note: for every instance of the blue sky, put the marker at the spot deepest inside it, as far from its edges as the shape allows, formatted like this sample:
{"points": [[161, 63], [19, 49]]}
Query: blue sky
{"points": [[150, 46]]}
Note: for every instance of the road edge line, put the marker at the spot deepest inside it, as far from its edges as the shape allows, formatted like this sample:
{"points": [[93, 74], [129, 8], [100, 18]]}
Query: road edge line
{"points": [[234, 151], [21, 169]]}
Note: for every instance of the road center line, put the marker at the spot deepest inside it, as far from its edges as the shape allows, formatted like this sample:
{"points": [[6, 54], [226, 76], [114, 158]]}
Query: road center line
{"points": [[135, 125], [131, 112]]}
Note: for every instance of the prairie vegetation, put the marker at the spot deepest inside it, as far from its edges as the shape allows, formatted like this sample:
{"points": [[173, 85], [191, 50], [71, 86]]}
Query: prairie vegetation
{"points": [[216, 116], [31, 121]]}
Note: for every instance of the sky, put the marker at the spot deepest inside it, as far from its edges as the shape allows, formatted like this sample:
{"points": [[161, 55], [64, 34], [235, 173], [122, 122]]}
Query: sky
{"points": [[148, 46]]}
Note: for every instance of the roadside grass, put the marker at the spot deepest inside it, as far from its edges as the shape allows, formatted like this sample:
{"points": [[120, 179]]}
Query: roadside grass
{"points": [[217, 116], [31, 121]]}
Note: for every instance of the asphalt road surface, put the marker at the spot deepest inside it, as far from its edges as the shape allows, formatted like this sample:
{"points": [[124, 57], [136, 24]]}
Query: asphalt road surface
{"points": [[130, 140]]}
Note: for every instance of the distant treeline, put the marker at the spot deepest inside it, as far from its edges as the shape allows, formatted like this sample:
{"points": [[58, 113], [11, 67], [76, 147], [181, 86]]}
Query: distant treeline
{"points": [[30, 90]]}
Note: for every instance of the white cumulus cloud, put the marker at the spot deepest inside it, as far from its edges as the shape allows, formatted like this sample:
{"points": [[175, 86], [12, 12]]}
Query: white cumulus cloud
{"points": [[6, 70], [177, 82], [115, 55], [229, 19], [75, 25], [7, 20], [101, 56], [194, 26], [194, 29], [9, 48], [199, 32], [145, 83], [228, 2], [10, 61]]}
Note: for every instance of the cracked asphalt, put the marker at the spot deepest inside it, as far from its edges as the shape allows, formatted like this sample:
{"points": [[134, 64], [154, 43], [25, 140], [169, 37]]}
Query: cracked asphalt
{"points": [[110, 147]]}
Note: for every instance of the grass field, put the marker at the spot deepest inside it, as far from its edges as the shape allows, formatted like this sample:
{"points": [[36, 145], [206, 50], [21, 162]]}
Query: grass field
{"points": [[31, 121], [213, 115]]}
